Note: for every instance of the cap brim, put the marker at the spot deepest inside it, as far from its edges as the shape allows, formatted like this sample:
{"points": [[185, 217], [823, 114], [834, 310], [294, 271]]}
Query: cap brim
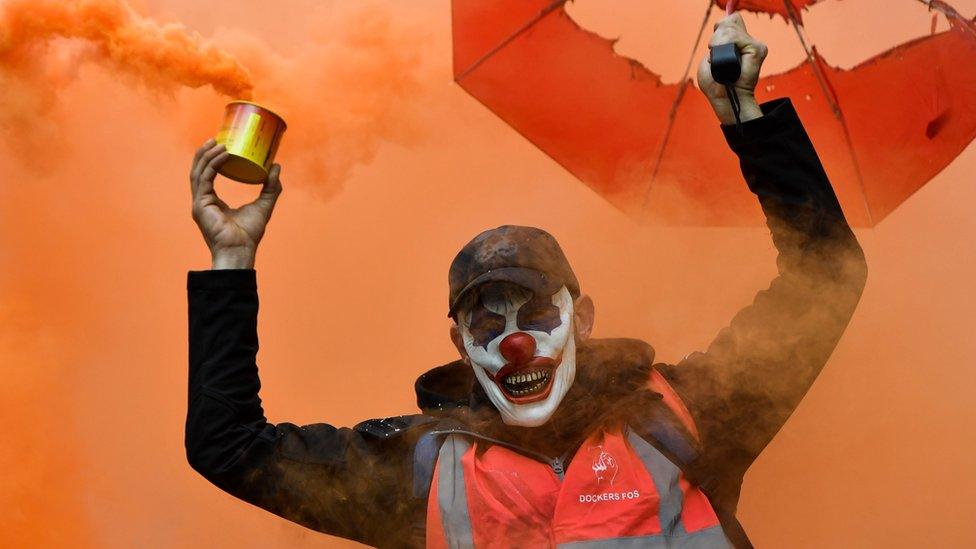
{"points": [[531, 279]]}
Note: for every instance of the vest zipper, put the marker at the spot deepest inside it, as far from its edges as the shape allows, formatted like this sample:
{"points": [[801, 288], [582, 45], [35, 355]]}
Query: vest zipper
{"points": [[557, 467]]}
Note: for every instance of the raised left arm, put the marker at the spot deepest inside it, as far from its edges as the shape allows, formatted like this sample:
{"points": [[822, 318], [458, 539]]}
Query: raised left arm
{"points": [[743, 388]]}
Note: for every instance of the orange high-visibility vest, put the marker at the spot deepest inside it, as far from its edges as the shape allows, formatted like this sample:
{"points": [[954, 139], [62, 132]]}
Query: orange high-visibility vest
{"points": [[619, 491]]}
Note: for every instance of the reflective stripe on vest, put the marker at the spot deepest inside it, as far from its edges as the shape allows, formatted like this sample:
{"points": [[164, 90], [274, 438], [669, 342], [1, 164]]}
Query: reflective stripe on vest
{"points": [[619, 491], [450, 497]]}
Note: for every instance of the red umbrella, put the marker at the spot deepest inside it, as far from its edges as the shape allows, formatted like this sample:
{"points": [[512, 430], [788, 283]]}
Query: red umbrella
{"points": [[883, 128]]}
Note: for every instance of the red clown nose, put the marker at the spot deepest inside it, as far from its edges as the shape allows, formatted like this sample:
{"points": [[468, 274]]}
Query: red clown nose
{"points": [[518, 348]]}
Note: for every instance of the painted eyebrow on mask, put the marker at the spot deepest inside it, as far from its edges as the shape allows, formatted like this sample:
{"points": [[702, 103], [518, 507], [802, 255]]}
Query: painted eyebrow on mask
{"points": [[539, 314], [485, 325]]}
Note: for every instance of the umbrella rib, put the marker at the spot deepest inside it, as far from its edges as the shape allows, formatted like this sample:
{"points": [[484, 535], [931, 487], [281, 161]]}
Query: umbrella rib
{"points": [[834, 105], [518, 32], [672, 115], [821, 78]]}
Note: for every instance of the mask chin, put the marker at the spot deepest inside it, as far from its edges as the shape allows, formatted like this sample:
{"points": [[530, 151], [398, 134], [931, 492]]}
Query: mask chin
{"points": [[537, 413]]}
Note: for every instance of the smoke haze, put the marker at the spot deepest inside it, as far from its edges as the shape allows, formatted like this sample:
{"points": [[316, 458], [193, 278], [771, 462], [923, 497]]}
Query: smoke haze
{"points": [[96, 238], [42, 43]]}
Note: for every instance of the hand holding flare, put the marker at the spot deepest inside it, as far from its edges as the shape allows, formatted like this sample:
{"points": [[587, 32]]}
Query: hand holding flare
{"points": [[232, 234]]}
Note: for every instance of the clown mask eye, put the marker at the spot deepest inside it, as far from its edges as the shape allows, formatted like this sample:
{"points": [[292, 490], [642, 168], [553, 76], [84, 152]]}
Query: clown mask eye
{"points": [[539, 315], [485, 326]]}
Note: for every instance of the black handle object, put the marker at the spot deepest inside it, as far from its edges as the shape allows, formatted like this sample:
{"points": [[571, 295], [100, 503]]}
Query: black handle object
{"points": [[726, 63]]}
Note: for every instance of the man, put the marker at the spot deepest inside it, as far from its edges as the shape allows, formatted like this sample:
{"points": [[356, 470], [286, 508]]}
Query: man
{"points": [[538, 436]]}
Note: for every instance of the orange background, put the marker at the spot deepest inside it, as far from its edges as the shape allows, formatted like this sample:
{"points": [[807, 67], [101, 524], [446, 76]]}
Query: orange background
{"points": [[388, 168]]}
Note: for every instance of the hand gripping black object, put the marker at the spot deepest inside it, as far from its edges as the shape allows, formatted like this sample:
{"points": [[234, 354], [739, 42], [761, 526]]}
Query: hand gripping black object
{"points": [[726, 65]]}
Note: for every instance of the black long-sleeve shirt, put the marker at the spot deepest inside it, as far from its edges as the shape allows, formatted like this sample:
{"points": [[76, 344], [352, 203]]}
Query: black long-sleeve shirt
{"points": [[356, 483]]}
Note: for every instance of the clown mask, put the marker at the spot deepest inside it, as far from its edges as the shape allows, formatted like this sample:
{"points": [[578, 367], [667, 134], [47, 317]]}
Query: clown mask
{"points": [[522, 349]]}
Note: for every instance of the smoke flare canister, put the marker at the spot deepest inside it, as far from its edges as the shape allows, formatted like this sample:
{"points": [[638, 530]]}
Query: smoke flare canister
{"points": [[251, 134]]}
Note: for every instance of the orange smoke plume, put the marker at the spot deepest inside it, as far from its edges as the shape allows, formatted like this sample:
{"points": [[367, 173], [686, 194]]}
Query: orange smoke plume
{"points": [[158, 55], [353, 85], [43, 44]]}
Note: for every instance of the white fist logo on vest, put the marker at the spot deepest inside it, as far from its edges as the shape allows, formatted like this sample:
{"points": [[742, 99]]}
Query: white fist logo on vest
{"points": [[604, 466]]}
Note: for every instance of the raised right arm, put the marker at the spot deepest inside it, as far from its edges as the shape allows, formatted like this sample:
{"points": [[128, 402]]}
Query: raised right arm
{"points": [[353, 483]]}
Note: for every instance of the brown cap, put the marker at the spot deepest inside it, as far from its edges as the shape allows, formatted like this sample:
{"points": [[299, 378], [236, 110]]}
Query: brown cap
{"points": [[525, 256]]}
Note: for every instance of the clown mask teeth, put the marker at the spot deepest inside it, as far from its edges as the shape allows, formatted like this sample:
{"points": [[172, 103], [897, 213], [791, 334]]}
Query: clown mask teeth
{"points": [[527, 383]]}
